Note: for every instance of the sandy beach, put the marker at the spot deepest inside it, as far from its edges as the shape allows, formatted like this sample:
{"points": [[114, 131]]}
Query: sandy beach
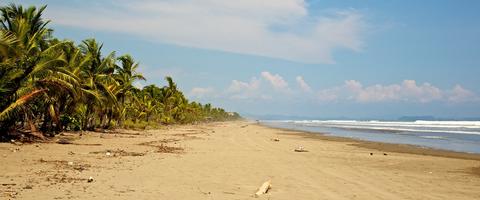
{"points": [[230, 160]]}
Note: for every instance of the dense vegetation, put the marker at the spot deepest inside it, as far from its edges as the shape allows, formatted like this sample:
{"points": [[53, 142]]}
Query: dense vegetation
{"points": [[48, 85]]}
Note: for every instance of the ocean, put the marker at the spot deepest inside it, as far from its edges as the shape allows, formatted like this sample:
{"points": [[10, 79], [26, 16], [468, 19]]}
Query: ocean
{"points": [[461, 136]]}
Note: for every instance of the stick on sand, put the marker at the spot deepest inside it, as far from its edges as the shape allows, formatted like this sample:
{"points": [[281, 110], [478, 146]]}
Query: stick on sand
{"points": [[264, 188]]}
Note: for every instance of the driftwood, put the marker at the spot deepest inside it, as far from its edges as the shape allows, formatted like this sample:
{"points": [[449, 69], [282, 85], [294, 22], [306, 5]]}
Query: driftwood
{"points": [[64, 141], [300, 149], [35, 133], [264, 188]]}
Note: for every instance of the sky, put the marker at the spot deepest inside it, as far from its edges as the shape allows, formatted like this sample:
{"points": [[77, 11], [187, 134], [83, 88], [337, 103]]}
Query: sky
{"points": [[311, 58]]}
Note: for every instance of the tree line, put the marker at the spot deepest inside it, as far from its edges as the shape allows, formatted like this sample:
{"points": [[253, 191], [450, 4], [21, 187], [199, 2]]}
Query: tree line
{"points": [[48, 85]]}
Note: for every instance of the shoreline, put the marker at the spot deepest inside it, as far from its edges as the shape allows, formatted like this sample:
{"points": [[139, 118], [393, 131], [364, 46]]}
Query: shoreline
{"points": [[227, 160], [381, 146]]}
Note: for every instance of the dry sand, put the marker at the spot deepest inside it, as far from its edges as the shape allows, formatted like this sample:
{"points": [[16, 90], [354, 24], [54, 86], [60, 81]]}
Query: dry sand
{"points": [[230, 161]]}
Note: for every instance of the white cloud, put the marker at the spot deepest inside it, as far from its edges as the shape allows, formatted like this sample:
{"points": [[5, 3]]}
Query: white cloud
{"points": [[303, 84], [459, 94], [274, 28], [245, 90], [275, 80], [239, 86], [407, 91], [198, 92], [273, 87], [257, 89]]}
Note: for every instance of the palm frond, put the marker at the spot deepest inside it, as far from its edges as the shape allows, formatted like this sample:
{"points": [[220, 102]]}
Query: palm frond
{"points": [[5, 114]]}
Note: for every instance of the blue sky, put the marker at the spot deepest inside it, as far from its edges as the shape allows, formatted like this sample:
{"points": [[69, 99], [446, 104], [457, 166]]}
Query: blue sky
{"points": [[357, 59]]}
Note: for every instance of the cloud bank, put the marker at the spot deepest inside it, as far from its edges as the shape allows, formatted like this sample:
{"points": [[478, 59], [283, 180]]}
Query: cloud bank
{"points": [[407, 91], [282, 29], [275, 87]]}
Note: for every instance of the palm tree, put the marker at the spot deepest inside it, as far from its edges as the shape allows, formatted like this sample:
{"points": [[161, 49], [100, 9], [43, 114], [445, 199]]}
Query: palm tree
{"points": [[98, 78], [126, 75], [28, 61], [49, 84]]}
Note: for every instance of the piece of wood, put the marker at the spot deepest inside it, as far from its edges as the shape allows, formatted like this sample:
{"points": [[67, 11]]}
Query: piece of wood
{"points": [[264, 188], [300, 149], [64, 141]]}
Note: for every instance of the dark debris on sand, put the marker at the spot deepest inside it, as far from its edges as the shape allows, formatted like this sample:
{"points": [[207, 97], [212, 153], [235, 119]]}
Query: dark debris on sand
{"points": [[63, 164], [161, 146], [117, 152]]}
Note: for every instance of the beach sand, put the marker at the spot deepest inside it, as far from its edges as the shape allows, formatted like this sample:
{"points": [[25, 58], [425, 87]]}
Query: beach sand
{"points": [[230, 160]]}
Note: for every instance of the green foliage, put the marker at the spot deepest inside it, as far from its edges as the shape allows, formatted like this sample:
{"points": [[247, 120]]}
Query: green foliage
{"points": [[70, 123], [53, 85]]}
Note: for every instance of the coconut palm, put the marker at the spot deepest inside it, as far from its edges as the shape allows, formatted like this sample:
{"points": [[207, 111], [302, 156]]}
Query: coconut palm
{"points": [[97, 77], [126, 75], [49, 84], [28, 62]]}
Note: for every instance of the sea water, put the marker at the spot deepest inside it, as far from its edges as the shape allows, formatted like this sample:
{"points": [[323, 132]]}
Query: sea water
{"points": [[462, 136]]}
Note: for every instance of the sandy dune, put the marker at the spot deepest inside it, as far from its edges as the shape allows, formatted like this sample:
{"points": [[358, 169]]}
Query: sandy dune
{"points": [[230, 161]]}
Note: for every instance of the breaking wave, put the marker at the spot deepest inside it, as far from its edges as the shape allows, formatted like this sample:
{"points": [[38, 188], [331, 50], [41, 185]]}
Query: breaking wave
{"points": [[421, 126]]}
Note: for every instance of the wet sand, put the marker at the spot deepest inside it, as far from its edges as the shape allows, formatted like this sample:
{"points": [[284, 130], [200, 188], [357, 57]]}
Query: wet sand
{"points": [[231, 160]]}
